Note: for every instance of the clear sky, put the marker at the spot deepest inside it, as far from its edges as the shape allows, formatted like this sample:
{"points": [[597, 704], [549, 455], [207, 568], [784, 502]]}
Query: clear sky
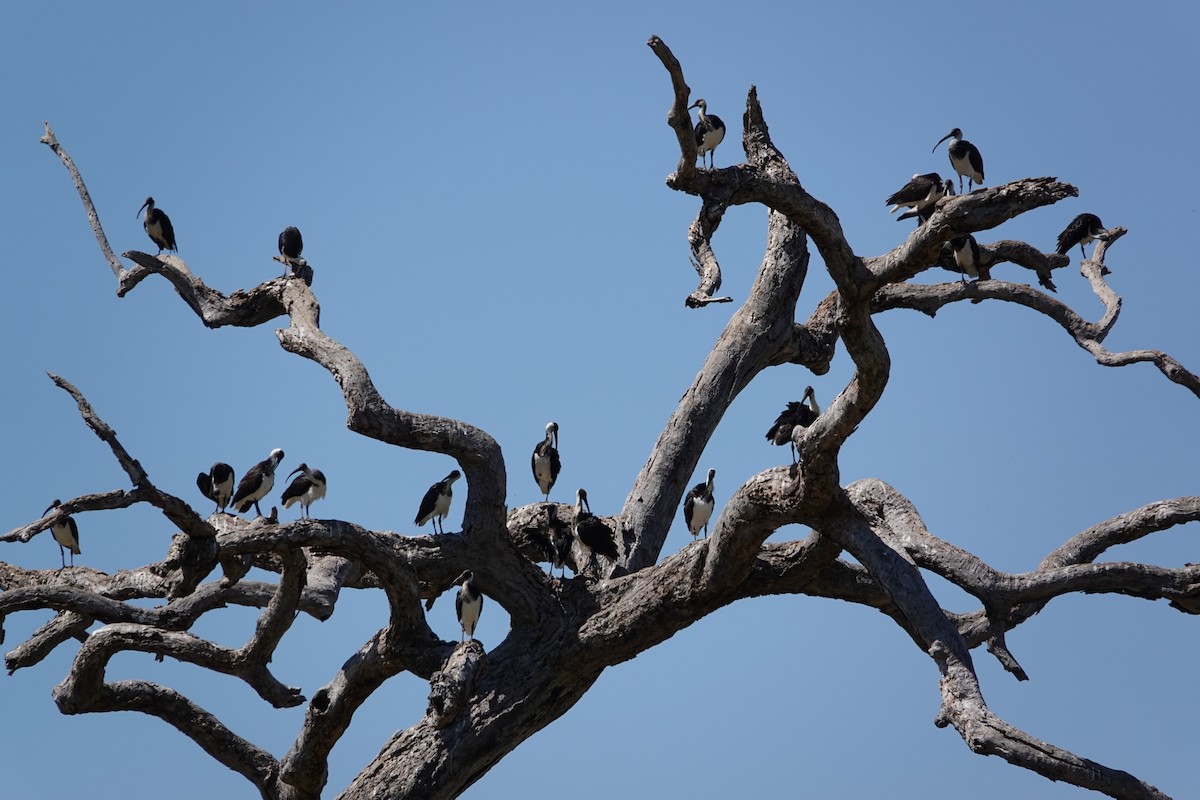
{"points": [[481, 194]]}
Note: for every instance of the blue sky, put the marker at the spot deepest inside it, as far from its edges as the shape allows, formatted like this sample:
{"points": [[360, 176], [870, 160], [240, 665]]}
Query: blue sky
{"points": [[481, 194]]}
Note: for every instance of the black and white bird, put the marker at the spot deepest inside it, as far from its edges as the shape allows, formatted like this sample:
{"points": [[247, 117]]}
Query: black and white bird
{"points": [[66, 533], [802, 414], [158, 226], [698, 506], [435, 505], [256, 483], [923, 213], [307, 488], [591, 532], [546, 463], [1081, 230], [217, 484], [964, 157], [710, 130], [291, 244], [468, 604], [920, 191], [966, 256]]}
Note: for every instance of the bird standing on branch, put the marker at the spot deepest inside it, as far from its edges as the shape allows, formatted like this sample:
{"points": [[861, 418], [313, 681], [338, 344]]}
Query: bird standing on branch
{"points": [[435, 505], [1081, 230], [796, 414], [468, 604], [964, 157], [698, 506], [66, 533], [256, 483], [291, 244], [307, 488], [591, 532], [158, 226], [217, 484], [545, 461], [709, 131]]}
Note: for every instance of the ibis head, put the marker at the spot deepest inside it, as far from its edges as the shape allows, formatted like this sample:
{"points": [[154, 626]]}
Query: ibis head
{"points": [[954, 134]]}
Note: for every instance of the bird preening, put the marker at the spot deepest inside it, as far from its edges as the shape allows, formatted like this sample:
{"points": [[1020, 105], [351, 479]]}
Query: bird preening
{"points": [[545, 461], [307, 488], [256, 483], [698, 506], [920, 196], [65, 532], [709, 132], [964, 158], [468, 604], [217, 484], [801, 414], [435, 505], [158, 226], [291, 245], [591, 532], [1081, 230]]}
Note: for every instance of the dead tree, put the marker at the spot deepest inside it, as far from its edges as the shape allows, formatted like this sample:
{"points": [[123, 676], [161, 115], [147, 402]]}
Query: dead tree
{"points": [[566, 632]]}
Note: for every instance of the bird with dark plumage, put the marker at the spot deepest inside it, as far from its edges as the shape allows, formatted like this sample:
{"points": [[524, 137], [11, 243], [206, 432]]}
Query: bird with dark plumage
{"points": [[920, 191], [966, 256], [217, 484], [435, 505], [557, 545], [964, 157], [591, 532], [256, 483], [468, 604], [306, 489], [923, 213], [291, 244], [796, 414], [158, 226], [545, 461], [65, 532], [1081, 230], [709, 131], [698, 505]]}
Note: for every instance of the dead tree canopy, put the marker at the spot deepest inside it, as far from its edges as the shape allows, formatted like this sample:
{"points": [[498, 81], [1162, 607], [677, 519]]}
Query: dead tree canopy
{"points": [[587, 584]]}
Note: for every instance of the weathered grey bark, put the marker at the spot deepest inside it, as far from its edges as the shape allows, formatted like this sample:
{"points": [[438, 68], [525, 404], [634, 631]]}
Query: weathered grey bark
{"points": [[566, 632]]}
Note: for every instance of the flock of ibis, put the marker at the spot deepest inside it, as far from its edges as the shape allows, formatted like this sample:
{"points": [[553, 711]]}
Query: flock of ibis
{"points": [[922, 193], [919, 197]]}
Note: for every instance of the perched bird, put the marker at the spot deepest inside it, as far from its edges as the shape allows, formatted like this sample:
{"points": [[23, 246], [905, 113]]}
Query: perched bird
{"points": [[435, 505], [66, 533], [698, 506], [217, 484], [158, 226], [920, 191], [256, 483], [558, 543], [291, 244], [307, 488], [1081, 230], [545, 461], [710, 130], [468, 604], [795, 414], [591, 532], [966, 256], [964, 157], [923, 213]]}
